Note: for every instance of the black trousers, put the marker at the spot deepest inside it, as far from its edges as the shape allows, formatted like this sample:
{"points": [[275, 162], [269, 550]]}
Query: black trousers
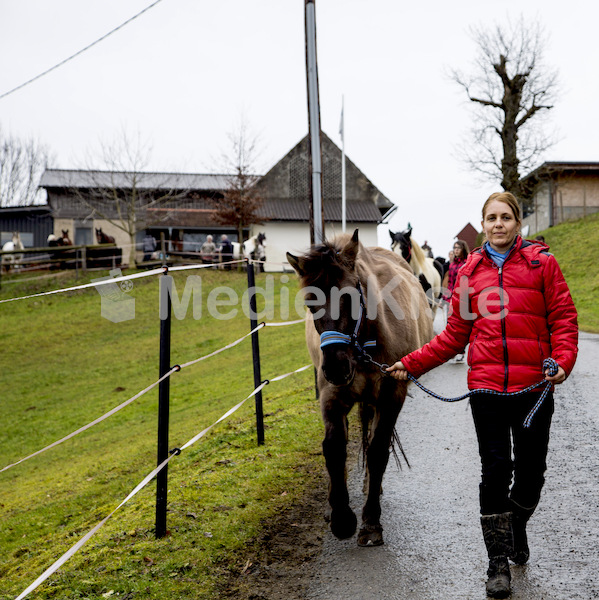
{"points": [[513, 459]]}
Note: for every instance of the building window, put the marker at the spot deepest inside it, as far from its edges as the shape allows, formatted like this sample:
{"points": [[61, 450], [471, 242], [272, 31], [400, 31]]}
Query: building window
{"points": [[83, 236]]}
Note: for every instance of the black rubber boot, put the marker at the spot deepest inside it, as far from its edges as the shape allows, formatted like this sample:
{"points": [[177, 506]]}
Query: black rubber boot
{"points": [[499, 540], [520, 517]]}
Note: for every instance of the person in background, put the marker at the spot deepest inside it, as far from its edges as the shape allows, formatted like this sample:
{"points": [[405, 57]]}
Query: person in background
{"points": [[148, 246], [460, 254], [514, 308], [226, 250], [208, 250]]}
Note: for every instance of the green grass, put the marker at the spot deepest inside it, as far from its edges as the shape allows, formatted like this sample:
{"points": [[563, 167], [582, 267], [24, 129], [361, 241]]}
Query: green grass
{"points": [[62, 365], [575, 245]]}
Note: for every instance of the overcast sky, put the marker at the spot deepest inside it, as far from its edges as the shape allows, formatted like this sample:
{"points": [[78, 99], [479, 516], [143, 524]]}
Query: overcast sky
{"points": [[184, 72]]}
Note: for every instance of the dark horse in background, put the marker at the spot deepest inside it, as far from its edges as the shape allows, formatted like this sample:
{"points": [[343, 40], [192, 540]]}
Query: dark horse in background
{"points": [[105, 257], [381, 315], [103, 238], [428, 270]]}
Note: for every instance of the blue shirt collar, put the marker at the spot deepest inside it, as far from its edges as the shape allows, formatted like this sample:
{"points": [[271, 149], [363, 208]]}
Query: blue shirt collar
{"points": [[498, 257]]}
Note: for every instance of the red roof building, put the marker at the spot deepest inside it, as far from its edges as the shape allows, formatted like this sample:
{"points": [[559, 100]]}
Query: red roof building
{"points": [[468, 235]]}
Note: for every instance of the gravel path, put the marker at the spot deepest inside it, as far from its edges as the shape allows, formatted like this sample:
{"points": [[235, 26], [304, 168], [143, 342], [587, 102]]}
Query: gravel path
{"points": [[433, 545]]}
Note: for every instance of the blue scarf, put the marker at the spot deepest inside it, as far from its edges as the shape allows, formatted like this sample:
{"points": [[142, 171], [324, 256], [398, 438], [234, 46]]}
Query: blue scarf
{"points": [[497, 257]]}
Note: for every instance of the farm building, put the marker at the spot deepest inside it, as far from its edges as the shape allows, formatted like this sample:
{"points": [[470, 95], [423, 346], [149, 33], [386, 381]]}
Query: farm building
{"points": [[561, 191], [468, 234], [33, 223], [180, 206]]}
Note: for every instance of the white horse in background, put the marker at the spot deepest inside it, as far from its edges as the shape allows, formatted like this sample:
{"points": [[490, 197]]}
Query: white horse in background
{"points": [[423, 266], [12, 260], [253, 248]]}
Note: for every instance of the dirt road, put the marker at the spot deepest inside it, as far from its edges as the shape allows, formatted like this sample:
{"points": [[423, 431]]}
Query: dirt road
{"points": [[433, 545]]}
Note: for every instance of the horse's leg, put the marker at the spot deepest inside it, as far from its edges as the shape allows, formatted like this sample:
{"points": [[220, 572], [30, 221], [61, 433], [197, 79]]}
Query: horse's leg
{"points": [[334, 448], [371, 532]]}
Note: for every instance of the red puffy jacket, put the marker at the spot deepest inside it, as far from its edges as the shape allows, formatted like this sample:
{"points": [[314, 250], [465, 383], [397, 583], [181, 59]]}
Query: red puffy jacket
{"points": [[513, 317]]}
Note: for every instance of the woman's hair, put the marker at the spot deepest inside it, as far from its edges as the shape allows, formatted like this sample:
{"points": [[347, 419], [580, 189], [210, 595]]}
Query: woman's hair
{"points": [[509, 199], [464, 246]]}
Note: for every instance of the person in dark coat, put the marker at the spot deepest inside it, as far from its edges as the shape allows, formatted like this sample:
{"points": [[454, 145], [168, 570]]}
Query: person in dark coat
{"points": [[226, 250], [149, 246]]}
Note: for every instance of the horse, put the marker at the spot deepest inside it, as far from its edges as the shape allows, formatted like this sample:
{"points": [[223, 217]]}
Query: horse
{"points": [[65, 240], [366, 309], [12, 260], [253, 248], [103, 238], [424, 268]]}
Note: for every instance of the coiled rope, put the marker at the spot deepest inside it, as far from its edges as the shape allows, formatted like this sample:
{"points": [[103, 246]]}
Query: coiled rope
{"points": [[549, 364]]}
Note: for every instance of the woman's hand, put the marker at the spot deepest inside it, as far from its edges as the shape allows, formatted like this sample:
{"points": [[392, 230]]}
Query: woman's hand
{"points": [[398, 371], [559, 377]]}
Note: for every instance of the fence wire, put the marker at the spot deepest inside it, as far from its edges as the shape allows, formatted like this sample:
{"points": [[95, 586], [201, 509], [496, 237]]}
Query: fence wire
{"points": [[76, 547]]}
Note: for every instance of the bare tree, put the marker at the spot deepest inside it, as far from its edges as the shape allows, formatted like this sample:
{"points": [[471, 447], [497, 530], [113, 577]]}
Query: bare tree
{"points": [[512, 91], [22, 163], [123, 190], [241, 202]]}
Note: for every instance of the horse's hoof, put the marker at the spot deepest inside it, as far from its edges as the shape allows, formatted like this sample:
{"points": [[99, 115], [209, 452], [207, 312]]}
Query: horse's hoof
{"points": [[343, 523], [371, 535]]}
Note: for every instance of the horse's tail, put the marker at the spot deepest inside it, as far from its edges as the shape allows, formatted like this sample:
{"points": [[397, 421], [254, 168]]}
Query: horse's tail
{"points": [[366, 415], [395, 445]]}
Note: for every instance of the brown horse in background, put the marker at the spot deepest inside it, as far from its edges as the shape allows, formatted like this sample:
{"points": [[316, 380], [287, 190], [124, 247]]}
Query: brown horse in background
{"points": [[367, 309], [103, 238]]}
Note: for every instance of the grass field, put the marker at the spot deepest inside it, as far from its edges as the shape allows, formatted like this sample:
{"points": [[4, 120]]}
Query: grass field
{"points": [[63, 365], [575, 246]]}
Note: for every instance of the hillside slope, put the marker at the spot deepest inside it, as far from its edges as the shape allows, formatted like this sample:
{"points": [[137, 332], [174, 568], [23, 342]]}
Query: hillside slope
{"points": [[575, 246]]}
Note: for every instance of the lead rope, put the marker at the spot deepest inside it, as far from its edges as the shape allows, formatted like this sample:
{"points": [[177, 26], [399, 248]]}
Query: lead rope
{"points": [[548, 364]]}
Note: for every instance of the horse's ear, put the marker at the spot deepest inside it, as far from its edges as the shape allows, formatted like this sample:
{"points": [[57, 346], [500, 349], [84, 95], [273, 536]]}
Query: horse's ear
{"points": [[392, 235], [350, 251], [297, 263], [409, 230]]}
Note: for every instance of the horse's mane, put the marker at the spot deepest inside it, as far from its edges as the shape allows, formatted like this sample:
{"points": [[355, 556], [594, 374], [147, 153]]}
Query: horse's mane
{"points": [[418, 252], [323, 264]]}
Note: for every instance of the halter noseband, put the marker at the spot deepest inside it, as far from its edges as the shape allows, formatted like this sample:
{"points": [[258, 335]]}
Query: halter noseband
{"points": [[337, 337]]}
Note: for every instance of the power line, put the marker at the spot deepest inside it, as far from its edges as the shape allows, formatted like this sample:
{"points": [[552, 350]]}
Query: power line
{"points": [[66, 60]]}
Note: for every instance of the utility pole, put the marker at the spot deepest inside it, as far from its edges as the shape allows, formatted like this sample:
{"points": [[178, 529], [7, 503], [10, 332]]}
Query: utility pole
{"points": [[317, 209], [343, 193]]}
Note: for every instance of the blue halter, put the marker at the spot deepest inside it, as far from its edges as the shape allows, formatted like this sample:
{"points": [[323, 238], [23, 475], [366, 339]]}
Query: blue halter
{"points": [[336, 337]]}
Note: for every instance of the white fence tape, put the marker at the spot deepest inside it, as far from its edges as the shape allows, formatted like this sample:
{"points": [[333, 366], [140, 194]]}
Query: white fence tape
{"points": [[76, 547], [98, 420], [89, 285], [144, 391], [285, 323], [205, 266], [231, 345]]}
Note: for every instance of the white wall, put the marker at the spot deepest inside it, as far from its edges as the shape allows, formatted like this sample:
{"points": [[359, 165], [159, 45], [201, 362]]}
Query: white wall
{"points": [[283, 237]]}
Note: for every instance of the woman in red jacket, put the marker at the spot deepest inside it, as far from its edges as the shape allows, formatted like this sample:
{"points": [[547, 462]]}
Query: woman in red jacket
{"points": [[513, 306], [460, 254]]}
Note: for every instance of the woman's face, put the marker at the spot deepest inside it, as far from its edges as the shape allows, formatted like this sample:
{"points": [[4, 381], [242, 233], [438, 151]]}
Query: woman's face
{"points": [[457, 251], [500, 225]]}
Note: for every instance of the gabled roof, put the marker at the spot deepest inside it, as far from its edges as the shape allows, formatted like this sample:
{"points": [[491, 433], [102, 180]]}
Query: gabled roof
{"points": [[549, 168], [71, 178], [299, 210]]}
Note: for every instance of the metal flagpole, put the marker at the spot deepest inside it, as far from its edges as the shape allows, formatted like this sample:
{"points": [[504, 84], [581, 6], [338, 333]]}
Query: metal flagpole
{"points": [[314, 122], [343, 195]]}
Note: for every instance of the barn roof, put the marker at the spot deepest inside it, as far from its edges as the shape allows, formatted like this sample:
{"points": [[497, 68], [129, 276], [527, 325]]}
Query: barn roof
{"points": [[71, 178]]}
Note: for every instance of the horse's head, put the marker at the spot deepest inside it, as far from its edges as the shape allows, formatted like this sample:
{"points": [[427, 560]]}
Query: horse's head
{"points": [[261, 239], [332, 293], [403, 241]]}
